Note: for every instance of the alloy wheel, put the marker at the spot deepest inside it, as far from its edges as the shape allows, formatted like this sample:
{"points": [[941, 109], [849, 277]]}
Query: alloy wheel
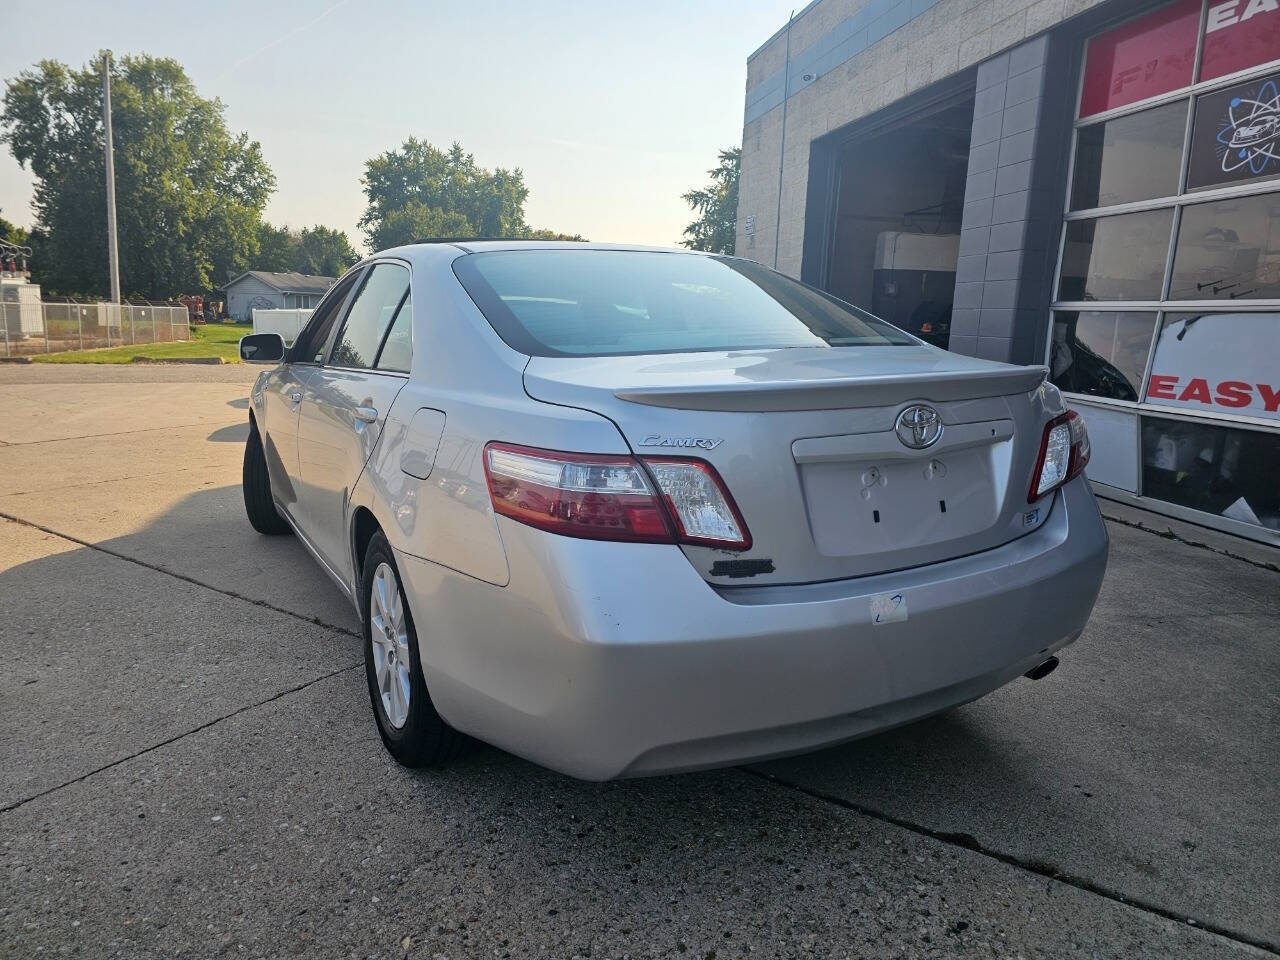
{"points": [[388, 628]]}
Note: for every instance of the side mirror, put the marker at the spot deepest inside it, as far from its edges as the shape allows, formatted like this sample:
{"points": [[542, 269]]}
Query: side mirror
{"points": [[262, 348]]}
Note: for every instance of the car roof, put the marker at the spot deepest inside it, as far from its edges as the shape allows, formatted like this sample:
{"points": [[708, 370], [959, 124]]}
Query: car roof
{"points": [[480, 245]]}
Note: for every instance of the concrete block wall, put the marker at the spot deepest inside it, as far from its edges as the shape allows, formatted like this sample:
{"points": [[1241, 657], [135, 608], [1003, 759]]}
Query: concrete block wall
{"points": [[1013, 204], [938, 41]]}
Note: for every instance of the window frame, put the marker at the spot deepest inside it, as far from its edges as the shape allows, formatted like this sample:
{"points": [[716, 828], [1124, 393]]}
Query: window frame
{"points": [[342, 296], [337, 332], [386, 334], [1141, 409]]}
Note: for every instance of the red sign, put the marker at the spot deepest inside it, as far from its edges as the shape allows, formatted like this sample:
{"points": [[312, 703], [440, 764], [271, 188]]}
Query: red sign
{"points": [[1239, 34], [1142, 58]]}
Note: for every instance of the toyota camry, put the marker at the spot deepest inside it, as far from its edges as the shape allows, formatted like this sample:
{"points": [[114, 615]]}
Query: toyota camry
{"points": [[626, 511]]}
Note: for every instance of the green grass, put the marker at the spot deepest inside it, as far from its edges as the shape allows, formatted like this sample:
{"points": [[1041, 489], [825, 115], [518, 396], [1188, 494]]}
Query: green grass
{"points": [[207, 340]]}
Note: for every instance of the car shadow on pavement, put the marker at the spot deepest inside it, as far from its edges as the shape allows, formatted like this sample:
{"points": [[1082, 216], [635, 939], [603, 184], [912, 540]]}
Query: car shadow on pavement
{"points": [[237, 433]]}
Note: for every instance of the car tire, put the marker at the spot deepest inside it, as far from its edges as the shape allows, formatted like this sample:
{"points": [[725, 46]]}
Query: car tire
{"points": [[256, 484], [413, 732]]}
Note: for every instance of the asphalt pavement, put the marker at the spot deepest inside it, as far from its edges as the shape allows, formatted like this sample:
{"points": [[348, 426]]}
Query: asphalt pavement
{"points": [[190, 768]]}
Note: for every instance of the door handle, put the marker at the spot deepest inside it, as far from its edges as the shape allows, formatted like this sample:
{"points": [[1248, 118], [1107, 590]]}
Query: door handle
{"points": [[365, 414], [295, 397]]}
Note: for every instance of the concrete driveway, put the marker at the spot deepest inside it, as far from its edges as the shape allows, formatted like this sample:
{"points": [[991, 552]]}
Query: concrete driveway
{"points": [[190, 768]]}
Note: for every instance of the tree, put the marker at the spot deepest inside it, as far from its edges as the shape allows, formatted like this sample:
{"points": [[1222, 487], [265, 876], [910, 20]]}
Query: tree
{"points": [[276, 249], [320, 251], [324, 252], [189, 192], [716, 205], [418, 191], [11, 233]]}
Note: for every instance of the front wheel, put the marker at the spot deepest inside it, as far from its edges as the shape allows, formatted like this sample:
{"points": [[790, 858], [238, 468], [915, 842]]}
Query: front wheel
{"points": [[256, 484], [413, 732]]}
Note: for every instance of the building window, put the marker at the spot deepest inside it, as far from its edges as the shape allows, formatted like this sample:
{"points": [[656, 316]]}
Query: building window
{"points": [[1134, 157], [1115, 258], [1236, 137], [1212, 468], [1167, 306], [1229, 250], [1100, 353]]}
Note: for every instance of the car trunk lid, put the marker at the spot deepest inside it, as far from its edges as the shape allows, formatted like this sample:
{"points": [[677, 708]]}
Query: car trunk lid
{"points": [[805, 441]]}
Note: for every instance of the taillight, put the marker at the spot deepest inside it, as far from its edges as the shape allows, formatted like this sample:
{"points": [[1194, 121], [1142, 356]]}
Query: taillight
{"points": [[703, 511], [1064, 451], [601, 497]]}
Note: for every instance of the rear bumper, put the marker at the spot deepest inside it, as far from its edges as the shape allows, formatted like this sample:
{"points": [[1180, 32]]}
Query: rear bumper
{"points": [[603, 660]]}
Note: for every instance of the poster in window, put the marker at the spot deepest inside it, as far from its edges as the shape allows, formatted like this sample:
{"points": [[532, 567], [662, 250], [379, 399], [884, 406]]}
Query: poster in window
{"points": [[1218, 363], [1144, 57], [1239, 34], [1236, 136]]}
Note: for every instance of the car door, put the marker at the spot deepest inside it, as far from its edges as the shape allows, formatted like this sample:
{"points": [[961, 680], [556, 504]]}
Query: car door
{"points": [[344, 406], [280, 398]]}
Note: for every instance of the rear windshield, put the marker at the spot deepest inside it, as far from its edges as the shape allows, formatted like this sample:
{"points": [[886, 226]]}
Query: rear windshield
{"points": [[595, 303]]}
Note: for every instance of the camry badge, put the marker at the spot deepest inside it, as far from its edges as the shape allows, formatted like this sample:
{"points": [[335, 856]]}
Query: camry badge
{"points": [[702, 443], [918, 426]]}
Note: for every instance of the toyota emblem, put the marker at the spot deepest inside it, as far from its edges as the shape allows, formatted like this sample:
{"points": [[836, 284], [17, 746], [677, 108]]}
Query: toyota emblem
{"points": [[918, 426]]}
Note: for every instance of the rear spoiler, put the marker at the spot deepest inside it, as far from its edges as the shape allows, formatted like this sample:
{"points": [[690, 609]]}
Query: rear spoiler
{"points": [[841, 392]]}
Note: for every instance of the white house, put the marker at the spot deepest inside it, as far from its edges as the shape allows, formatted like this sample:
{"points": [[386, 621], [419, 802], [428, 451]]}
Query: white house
{"points": [[262, 290]]}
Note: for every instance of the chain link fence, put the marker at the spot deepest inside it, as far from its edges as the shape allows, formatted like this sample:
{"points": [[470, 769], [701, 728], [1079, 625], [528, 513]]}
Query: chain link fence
{"points": [[40, 327]]}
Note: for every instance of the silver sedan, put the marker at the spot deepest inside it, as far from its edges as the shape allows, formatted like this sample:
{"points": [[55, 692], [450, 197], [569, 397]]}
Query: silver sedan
{"points": [[626, 511]]}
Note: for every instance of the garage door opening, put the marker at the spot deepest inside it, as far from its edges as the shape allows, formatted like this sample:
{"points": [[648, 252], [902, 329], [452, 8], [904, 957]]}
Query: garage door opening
{"points": [[899, 200]]}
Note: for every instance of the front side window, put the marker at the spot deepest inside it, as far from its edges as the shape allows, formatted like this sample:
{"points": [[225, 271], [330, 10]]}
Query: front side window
{"points": [[609, 303], [374, 307], [309, 347]]}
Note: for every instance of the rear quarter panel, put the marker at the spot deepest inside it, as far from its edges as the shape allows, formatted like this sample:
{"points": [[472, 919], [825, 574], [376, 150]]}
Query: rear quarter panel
{"points": [[464, 372]]}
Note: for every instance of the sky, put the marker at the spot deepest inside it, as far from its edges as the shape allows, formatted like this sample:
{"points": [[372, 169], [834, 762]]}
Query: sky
{"points": [[612, 110]]}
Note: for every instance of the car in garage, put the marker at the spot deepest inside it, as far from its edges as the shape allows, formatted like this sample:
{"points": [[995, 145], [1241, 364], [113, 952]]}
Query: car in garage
{"points": [[627, 511]]}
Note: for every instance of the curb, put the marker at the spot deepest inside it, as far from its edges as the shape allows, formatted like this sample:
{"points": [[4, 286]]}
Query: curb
{"points": [[201, 360]]}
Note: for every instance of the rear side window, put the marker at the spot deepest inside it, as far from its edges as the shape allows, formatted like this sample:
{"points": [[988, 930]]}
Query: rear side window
{"points": [[374, 307], [606, 303], [309, 347], [397, 349]]}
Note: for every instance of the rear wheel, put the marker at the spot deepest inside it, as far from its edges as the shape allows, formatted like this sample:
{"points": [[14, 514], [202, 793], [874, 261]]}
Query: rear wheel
{"points": [[256, 483], [413, 732]]}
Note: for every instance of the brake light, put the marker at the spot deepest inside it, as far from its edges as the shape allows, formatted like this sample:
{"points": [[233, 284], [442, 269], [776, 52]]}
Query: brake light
{"points": [[601, 497], [1064, 451]]}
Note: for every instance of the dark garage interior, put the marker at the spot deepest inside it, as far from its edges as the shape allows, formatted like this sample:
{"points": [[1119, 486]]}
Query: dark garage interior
{"points": [[899, 196]]}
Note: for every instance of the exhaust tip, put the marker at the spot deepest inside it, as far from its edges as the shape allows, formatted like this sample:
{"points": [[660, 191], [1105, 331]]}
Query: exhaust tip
{"points": [[1043, 670]]}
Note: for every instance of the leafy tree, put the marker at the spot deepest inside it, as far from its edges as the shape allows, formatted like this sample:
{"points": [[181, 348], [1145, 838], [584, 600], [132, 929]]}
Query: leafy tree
{"points": [[419, 191], [554, 235], [321, 251], [189, 192], [277, 249], [716, 205], [416, 221], [325, 252], [11, 233]]}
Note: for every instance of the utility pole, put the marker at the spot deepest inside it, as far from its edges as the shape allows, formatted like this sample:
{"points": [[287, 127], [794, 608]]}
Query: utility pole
{"points": [[113, 251]]}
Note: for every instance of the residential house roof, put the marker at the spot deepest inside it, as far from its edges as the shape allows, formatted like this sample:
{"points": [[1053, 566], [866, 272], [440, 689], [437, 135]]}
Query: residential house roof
{"points": [[285, 282]]}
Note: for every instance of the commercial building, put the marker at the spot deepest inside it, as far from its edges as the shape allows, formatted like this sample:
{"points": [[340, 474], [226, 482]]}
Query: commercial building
{"points": [[1090, 185]]}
